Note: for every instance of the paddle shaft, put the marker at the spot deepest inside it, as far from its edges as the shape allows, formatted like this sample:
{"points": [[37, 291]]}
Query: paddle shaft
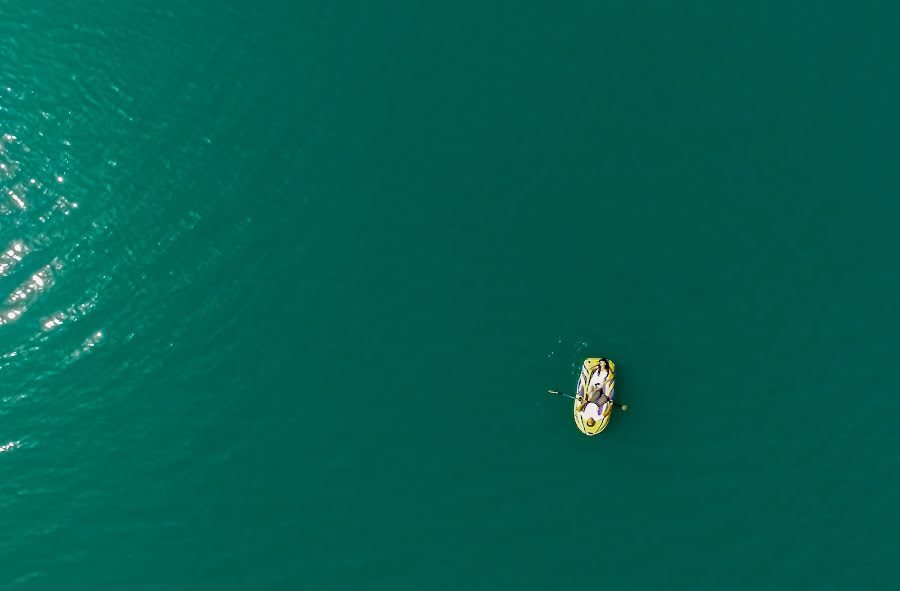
{"points": [[573, 398]]}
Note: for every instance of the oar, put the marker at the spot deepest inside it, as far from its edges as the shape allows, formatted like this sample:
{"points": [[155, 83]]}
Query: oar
{"points": [[561, 394], [624, 407]]}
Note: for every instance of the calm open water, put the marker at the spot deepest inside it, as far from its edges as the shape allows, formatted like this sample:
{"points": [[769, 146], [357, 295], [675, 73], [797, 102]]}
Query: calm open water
{"points": [[283, 286]]}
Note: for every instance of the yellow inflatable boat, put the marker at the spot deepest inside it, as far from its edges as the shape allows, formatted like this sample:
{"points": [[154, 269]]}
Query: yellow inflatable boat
{"points": [[595, 395]]}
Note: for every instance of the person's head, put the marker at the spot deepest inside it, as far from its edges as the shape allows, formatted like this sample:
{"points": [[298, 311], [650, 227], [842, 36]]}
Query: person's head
{"points": [[591, 422], [603, 365]]}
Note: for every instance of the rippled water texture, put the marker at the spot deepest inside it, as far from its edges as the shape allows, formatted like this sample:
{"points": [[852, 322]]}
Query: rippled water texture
{"points": [[283, 287]]}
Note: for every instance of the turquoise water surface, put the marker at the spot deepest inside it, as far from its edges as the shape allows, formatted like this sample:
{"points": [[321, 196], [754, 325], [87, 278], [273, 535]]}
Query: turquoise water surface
{"points": [[283, 287]]}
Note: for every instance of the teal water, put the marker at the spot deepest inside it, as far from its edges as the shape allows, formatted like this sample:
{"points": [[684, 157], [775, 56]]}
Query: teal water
{"points": [[283, 287]]}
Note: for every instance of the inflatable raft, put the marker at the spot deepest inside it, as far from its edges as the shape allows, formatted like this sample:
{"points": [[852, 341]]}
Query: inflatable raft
{"points": [[597, 381]]}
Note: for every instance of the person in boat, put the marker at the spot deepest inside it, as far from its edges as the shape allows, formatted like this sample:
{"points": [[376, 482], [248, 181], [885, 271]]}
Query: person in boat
{"points": [[598, 394], [591, 414]]}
